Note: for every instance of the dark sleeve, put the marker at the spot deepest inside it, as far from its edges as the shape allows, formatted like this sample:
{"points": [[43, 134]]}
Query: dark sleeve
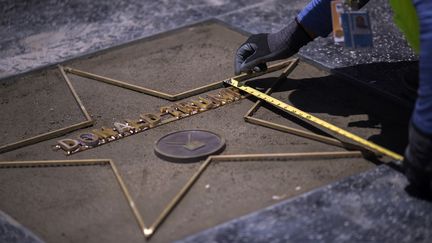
{"points": [[316, 17], [422, 116]]}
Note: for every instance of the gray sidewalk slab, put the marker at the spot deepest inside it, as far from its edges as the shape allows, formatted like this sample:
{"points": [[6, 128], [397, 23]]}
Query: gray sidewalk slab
{"points": [[370, 207], [37, 34], [11, 231]]}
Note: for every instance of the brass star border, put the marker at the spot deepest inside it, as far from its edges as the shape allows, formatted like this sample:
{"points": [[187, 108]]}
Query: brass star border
{"points": [[181, 95], [248, 117], [47, 163], [149, 231], [56, 133]]}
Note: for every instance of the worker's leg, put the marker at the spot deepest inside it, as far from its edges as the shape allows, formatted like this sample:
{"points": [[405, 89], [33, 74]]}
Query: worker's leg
{"points": [[418, 162]]}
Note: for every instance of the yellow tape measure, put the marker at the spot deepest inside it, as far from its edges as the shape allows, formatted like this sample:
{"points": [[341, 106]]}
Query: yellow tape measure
{"points": [[301, 114]]}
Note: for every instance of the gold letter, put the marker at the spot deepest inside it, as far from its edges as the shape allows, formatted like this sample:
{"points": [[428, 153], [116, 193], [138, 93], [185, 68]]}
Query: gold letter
{"points": [[203, 104], [221, 97], [233, 91], [138, 125], [89, 139], [172, 110], [104, 132], [151, 119], [186, 107], [214, 99], [121, 127], [68, 145], [226, 95]]}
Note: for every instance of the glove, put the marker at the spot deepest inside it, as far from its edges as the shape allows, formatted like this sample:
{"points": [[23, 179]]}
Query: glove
{"points": [[262, 48], [418, 160]]}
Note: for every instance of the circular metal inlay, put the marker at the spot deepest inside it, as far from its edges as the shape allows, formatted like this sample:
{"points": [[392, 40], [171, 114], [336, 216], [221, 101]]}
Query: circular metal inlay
{"points": [[188, 146]]}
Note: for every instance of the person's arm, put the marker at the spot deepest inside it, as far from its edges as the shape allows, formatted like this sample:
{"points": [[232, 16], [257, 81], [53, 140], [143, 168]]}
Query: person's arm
{"points": [[314, 20], [316, 17]]}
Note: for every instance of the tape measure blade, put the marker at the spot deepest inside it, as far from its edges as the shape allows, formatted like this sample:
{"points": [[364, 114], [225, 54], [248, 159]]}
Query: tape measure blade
{"points": [[365, 143], [301, 114]]}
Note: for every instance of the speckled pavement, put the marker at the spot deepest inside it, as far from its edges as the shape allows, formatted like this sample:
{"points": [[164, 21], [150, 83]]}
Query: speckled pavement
{"points": [[36, 35], [39, 34]]}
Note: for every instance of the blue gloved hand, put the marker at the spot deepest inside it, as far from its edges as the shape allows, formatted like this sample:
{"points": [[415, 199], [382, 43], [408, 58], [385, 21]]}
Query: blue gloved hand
{"points": [[418, 160], [262, 48]]}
